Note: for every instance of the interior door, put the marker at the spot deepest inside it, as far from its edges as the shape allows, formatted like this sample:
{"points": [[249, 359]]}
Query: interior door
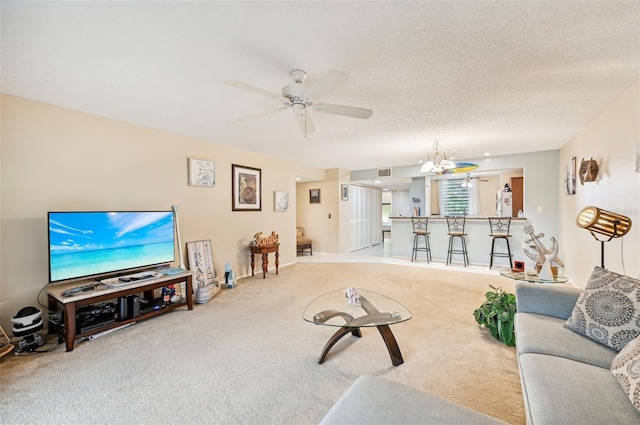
{"points": [[517, 191]]}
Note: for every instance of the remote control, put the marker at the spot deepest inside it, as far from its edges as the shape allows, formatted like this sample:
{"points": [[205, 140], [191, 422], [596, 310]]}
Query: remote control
{"points": [[79, 289]]}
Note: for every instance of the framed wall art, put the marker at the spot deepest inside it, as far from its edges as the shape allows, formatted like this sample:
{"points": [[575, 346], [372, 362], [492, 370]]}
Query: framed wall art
{"points": [[280, 201], [314, 196], [571, 177], [638, 156], [246, 188], [202, 173], [344, 192]]}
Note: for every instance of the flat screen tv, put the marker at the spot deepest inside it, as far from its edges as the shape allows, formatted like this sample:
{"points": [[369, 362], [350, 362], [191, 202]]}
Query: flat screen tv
{"points": [[102, 243]]}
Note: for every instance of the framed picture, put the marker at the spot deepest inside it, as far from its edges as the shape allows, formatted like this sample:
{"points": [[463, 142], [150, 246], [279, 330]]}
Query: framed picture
{"points": [[571, 177], [202, 173], [344, 192], [201, 263], [280, 201], [246, 188], [314, 196]]}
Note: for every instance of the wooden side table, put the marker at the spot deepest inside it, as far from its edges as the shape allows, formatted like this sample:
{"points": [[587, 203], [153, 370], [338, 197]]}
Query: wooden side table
{"points": [[264, 250]]}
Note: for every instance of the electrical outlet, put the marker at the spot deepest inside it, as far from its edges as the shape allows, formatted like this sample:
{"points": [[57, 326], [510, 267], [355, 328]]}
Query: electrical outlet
{"points": [[539, 209]]}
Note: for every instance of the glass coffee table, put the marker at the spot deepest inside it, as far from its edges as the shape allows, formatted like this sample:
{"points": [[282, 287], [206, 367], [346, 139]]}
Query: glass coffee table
{"points": [[532, 277], [371, 310]]}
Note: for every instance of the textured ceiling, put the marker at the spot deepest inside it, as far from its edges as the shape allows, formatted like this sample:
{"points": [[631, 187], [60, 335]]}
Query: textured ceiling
{"points": [[498, 77]]}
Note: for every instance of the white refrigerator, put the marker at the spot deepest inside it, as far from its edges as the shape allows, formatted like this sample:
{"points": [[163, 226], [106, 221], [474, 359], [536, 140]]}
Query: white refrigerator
{"points": [[504, 203]]}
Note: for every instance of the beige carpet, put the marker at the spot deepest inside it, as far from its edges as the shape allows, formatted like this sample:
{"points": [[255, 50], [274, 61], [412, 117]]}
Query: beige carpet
{"points": [[248, 357]]}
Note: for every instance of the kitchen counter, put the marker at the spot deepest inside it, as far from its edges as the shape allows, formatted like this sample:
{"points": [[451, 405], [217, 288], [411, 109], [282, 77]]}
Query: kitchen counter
{"points": [[478, 240]]}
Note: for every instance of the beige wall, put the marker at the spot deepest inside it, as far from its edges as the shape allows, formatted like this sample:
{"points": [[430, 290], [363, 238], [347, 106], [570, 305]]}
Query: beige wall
{"points": [[611, 139], [57, 159]]}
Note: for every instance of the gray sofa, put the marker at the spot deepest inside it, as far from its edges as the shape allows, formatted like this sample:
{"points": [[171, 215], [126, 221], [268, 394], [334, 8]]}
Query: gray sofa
{"points": [[565, 376], [372, 400]]}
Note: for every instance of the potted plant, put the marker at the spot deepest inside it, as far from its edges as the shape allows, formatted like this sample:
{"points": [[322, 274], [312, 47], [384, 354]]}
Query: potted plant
{"points": [[497, 314]]}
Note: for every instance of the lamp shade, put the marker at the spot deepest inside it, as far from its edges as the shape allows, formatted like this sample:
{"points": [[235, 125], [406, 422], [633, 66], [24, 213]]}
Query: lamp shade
{"points": [[604, 222]]}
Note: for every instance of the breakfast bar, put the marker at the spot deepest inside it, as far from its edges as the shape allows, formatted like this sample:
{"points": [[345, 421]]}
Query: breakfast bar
{"points": [[478, 240]]}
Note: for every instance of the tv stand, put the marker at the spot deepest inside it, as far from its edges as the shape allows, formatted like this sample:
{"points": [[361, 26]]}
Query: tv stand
{"points": [[104, 292]]}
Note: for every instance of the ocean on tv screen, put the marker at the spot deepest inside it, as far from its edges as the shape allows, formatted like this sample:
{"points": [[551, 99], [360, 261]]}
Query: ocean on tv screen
{"points": [[89, 243]]}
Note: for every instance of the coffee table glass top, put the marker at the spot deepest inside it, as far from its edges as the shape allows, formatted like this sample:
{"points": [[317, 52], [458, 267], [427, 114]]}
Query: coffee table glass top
{"points": [[530, 277], [372, 309]]}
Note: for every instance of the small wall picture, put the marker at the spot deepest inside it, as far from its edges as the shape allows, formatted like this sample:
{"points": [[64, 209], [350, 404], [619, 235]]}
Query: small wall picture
{"points": [[246, 188], [344, 192], [281, 201], [570, 182], [314, 196], [202, 173]]}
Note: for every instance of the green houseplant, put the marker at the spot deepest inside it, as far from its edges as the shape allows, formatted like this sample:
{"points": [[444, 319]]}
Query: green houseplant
{"points": [[497, 314]]}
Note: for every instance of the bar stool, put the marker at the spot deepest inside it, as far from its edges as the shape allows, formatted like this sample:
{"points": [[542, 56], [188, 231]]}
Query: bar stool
{"points": [[420, 229], [500, 230], [455, 223]]}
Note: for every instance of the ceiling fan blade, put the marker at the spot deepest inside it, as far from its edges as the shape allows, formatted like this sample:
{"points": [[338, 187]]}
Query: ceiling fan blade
{"points": [[347, 111], [245, 86], [305, 123], [328, 83], [261, 114]]}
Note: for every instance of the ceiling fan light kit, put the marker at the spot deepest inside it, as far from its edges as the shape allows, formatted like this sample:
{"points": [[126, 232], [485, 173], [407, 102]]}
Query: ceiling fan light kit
{"points": [[300, 98]]}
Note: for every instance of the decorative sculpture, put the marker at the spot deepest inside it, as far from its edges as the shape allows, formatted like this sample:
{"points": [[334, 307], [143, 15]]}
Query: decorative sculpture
{"points": [[542, 256], [269, 240], [229, 276], [353, 296], [588, 170]]}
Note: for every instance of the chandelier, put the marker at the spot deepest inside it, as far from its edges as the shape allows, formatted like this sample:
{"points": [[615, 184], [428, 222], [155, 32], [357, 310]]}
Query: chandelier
{"points": [[437, 162]]}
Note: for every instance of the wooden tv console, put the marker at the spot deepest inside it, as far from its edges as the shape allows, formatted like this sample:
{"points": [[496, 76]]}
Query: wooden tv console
{"points": [[104, 293]]}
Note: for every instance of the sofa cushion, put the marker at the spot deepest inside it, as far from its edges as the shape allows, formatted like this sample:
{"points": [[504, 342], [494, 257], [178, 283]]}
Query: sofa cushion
{"points": [[550, 300], [562, 391], [608, 310], [537, 333], [626, 369], [372, 400]]}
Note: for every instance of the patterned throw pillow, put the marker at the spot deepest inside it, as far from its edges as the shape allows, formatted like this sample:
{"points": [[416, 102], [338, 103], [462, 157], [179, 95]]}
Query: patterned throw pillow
{"points": [[608, 310], [626, 368]]}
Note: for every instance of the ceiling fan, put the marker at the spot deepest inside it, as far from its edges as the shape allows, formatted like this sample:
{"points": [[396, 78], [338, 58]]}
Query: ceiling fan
{"points": [[301, 98], [468, 181]]}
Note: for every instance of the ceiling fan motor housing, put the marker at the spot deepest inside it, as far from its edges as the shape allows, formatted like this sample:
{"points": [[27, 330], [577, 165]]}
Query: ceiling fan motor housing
{"points": [[297, 98], [298, 76]]}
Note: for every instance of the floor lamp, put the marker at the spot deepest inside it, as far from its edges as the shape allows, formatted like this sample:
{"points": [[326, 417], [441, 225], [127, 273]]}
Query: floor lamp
{"points": [[605, 223]]}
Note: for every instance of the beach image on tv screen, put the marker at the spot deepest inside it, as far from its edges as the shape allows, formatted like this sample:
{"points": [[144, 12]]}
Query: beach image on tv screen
{"points": [[90, 243]]}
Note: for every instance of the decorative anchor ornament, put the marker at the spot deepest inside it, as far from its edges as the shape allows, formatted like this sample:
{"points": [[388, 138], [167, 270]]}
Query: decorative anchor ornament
{"points": [[542, 256]]}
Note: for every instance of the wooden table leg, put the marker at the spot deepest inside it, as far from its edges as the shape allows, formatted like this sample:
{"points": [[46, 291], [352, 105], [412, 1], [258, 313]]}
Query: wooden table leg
{"points": [[277, 261], [70, 324], [335, 338], [392, 345], [265, 264], [189, 289], [253, 262]]}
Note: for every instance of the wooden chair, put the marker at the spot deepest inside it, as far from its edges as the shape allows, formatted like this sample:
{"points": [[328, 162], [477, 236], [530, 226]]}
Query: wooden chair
{"points": [[302, 242]]}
